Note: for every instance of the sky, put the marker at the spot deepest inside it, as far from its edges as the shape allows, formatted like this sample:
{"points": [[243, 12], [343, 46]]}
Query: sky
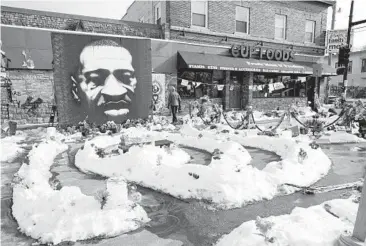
{"points": [[359, 13], [112, 9], [115, 9]]}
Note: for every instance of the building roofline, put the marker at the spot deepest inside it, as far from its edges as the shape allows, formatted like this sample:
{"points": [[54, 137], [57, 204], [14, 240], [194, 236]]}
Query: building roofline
{"points": [[131, 37], [128, 9], [73, 16], [328, 2]]}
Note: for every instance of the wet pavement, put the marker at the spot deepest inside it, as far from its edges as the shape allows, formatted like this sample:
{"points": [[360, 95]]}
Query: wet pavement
{"points": [[187, 221]]}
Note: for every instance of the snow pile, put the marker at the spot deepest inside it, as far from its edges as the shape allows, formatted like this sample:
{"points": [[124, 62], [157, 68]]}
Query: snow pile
{"points": [[160, 123], [227, 182], [10, 148], [295, 168], [53, 216], [340, 137], [317, 225], [304, 111]]}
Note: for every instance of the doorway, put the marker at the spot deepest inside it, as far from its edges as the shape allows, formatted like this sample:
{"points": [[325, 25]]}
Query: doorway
{"points": [[235, 94], [311, 86]]}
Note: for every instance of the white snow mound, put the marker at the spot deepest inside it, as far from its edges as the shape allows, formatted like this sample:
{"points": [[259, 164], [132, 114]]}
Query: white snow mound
{"points": [[54, 216]]}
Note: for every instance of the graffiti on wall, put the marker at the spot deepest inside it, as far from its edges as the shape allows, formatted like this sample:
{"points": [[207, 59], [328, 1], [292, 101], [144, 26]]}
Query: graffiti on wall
{"points": [[158, 91], [27, 62], [31, 106], [108, 77]]}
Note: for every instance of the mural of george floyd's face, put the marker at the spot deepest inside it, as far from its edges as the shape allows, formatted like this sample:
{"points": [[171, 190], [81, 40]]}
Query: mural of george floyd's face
{"points": [[105, 83]]}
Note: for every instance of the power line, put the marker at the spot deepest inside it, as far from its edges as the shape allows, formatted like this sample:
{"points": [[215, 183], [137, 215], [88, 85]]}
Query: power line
{"points": [[360, 27], [359, 31]]}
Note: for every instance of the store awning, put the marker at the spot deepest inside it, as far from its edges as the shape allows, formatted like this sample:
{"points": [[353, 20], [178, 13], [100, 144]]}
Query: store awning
{"points": [[192, 60]]}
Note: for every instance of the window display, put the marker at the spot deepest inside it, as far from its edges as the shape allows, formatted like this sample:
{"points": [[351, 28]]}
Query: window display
{"points": [[278, 86], [196, 84]]}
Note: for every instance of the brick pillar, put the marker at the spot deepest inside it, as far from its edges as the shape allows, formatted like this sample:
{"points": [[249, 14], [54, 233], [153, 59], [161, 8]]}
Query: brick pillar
{"points": [[247, 92], [227, 90]]}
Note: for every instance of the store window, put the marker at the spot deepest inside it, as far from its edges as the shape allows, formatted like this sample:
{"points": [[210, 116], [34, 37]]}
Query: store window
{"points": [[336, 65], [310, 31], [158, 14], [242, 20], [363, 66], [199, 13], [280, 26], [196, 84], [278, 86]]}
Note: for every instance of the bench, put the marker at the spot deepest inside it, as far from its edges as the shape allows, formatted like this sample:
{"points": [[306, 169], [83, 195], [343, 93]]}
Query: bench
{"points": [[159, 143]]}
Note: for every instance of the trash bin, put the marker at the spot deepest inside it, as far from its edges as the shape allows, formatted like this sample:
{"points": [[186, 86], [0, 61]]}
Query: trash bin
{"points": [[12, 128]]}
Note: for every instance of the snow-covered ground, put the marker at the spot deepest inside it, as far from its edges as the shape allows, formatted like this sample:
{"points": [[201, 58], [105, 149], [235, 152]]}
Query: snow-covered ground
{"points": [[315, 226], [340, 137], [53, 216], [10, 147], [229, 181]]}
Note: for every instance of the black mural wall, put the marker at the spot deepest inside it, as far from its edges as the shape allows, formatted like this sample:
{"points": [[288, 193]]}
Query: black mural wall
{"points": [[101, 78]]}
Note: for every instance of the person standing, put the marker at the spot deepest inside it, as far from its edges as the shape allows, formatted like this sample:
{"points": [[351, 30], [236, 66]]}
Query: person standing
{"points": [[174, 102]]}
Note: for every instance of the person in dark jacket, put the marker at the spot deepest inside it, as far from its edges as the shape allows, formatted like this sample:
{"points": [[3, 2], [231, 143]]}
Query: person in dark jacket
{"points": [[174, 102]]}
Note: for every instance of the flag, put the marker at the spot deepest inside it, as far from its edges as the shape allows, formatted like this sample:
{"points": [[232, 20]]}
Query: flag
{"points": [[184, 82], [278, 86], [196, 84]]}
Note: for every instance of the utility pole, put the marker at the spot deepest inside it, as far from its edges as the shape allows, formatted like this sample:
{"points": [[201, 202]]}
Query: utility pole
{"points": [[348, 47], [327, 87], [345, 74]]}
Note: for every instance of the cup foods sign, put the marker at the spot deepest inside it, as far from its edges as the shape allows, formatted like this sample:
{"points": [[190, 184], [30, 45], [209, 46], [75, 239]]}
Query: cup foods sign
{"points": [[247, 51], [335, 39]]}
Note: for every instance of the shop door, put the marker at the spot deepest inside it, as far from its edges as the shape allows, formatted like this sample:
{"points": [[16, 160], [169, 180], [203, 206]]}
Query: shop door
{"points": [[235, 96]]}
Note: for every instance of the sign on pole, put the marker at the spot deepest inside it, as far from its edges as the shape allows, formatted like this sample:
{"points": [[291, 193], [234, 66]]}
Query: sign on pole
{"points": [[335, 39]]}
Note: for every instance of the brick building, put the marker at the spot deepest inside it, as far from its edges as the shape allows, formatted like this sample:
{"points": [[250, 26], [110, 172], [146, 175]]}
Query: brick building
{"points": [[26, 41], [203, 58]]}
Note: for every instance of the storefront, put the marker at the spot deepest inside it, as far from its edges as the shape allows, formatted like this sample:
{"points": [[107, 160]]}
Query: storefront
{"points": [[239, 76]]}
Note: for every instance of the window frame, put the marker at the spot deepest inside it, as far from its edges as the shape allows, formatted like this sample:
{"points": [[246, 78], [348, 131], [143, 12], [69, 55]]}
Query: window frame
{"points": [[363, 65], [313, 31], [284, 28], [142, 19], [350, 66], [157, 12], [206, 16], [247, 21]]}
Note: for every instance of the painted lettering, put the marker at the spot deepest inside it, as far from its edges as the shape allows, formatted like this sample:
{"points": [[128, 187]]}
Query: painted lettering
{"points": [[197, 66]]}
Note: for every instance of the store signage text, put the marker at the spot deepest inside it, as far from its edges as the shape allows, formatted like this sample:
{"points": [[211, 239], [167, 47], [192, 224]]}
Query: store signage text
{"points": [[336, 39], [246, 51]]}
